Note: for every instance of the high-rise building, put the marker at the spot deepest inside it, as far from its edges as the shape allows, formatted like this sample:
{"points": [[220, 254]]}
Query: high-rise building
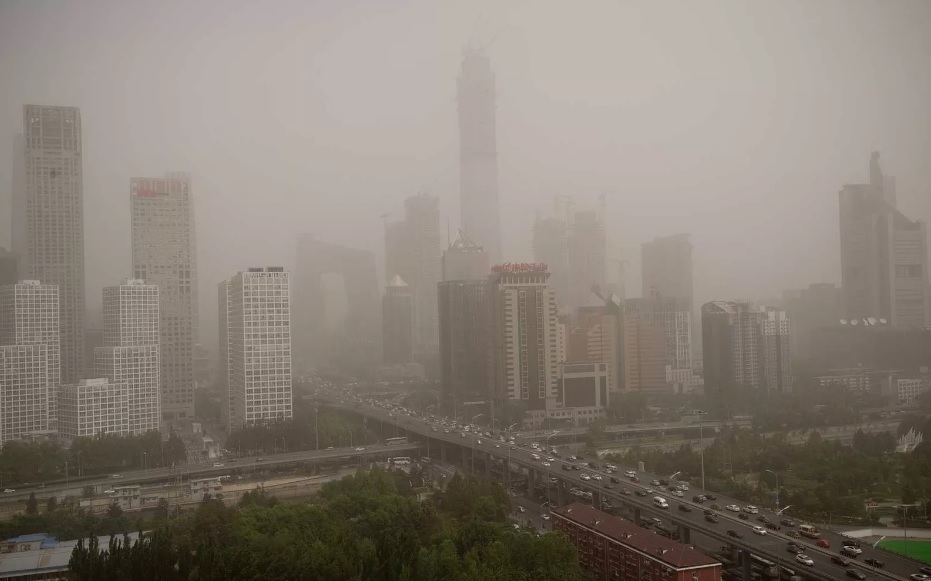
{"points": [[412, 251], [572, 244], [666, 265], [48, 218], [811, 308], [29, 315], [227, 398], [258, 333], [594, 339], [466, 341], [337, 307], [164, 249], [92, 407], [525, 326], [464, 260], [746, 346], [9, 267], [644, 356], [478, 154], [673, 315], [130, 355], [884, 255], [397, 316], [24, 389]]}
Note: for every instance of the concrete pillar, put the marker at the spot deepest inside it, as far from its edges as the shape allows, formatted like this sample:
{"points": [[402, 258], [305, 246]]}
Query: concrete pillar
{"points": [[745, 557], [596, 499], [443, 453], [636, 518], [685, 535], [560, 494]]}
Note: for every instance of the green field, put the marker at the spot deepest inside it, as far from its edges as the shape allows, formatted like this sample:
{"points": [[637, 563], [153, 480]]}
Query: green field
{"points": [[917, 549]]}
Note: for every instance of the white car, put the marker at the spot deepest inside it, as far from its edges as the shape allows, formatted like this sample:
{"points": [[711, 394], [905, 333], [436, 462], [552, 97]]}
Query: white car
{"points": [[497, 445], [218, 465], [597, 477], [759, 530], [479, 442], [678, 493], [630, 474], [551, 459], [545, 516], [547, 464], [586, 477], [683, 487], [804, 559], [360, 449], [752, 509], [733, 508], [535, 456], [9, 490], [610, 466]]}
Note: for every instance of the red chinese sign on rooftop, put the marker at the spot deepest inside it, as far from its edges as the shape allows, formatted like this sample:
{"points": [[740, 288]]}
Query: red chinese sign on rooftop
{"points": [[509, 267]]}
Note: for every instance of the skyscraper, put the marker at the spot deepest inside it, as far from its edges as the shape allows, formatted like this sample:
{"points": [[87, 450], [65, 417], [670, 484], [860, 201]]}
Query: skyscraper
{"points": [[525, 335], [666, 265], [9, 268], [164, 253], [29, 316], [478, 154], [24, 390], [776, 349], [397, 316], [92, 407], [464, 260], [594, 338], [672, 315], [258, 334], [884, 255], [412, 251], [809, 309], [48, 218], [130, 355], [466, 341]]}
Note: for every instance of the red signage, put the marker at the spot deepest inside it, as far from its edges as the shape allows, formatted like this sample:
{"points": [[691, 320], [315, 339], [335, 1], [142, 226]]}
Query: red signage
{"points": [[519, 267]]}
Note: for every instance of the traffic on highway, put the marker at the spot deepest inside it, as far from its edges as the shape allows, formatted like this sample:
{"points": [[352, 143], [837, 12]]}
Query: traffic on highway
{"points": [[766, 534]]}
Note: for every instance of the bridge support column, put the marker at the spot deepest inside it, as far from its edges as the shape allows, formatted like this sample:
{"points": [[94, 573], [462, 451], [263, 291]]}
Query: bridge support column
{"points": [[745, 558], [486, 459], [443, 451], [636, 515], [596, 499], [531, 484], [560, 493], [685, 535]]}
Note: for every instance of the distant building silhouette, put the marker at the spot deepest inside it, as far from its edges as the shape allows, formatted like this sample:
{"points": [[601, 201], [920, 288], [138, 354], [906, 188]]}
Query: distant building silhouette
{"points": [[397, 315]]}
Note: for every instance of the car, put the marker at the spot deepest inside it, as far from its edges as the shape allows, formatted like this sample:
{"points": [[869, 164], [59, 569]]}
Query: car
{"points": [[851, 551], [710, 497], [743, 516], [762, 518], [608, 486], [630, 473], [109, 491], [634, 479], [625, 491], [838, 560], [918, 577], [685, 508], [656, 521], [793, 534], [660, 482], [771, 526], [551, 459], [823, 543], [733, 508], [735, 534], [805, 559], [218, 465], [711, 518], [478, 442], [116, 476], [535, 456], [655, 483], [850, 543], [925, 570], [678, 493], [793, 548], [545, 516], [684, 487], [759, 530], [708, 511], [642, 493], [855, 574], [9, 490], [699, 499], [716, 507], [752, 509], [462, 434], [576, 467], [787, 522], [874, 563], [547, 464], [596, 476], [586, 477]]}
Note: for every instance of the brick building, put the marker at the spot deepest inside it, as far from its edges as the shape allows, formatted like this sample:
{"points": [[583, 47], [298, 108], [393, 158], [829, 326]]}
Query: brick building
{"points": [[611, 548]]}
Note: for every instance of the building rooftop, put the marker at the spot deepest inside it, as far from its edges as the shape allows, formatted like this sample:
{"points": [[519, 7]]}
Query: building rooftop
{"points": [[646, 542], [53, 556]]}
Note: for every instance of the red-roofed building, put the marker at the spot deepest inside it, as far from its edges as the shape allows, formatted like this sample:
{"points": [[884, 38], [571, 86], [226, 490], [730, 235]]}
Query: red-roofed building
{"points": [[612, 549]]}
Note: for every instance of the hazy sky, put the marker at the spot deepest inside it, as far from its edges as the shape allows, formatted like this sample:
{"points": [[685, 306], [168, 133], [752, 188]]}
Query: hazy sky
{"points": [[737, 121]]}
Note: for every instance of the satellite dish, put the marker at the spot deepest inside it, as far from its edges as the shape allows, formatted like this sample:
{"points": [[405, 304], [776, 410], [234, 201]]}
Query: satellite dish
{"points": [[883, 321], [855, 322], [843, 321], [872, 320]]}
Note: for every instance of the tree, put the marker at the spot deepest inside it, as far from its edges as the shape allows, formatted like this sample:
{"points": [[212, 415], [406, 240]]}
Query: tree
{"points": [[52, 504], [114, 511], [161, 509], [595, 432], [32, 505]]}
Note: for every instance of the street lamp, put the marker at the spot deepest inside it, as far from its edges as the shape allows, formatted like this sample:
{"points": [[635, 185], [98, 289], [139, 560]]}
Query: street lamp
{"points": [[548, 438], [774, 473]]}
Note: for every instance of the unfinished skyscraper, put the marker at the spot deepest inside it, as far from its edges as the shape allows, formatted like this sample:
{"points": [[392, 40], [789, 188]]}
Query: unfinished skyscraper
{"points": [[884, 255], [48, 218], [165, 254], [478, 153]]}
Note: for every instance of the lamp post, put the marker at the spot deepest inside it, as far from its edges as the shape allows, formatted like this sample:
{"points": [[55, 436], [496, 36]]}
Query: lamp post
{"points": [[548, 439], [774, 473], [701, 447]]}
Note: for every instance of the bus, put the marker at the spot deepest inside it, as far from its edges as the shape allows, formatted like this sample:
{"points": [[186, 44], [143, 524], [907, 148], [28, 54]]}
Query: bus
{"points": [[400, 461], [808, 531], [396, 441]]}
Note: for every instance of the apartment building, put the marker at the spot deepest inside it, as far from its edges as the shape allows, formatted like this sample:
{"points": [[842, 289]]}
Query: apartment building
{"points": [[92, 407]]}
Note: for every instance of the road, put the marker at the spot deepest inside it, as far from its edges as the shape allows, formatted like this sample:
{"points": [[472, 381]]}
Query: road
{"points": [[771, 545], [205, 470]]}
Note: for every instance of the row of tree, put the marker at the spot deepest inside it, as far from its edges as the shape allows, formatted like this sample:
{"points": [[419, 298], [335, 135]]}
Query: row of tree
{"points": [[318, 429], [361, 528], [32, 462]]}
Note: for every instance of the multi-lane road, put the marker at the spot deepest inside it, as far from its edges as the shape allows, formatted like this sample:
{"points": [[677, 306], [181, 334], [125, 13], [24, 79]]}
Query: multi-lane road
{"points": [[772, 545]]}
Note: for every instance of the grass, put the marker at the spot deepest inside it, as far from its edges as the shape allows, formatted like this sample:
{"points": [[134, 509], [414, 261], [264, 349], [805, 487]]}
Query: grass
{"points": [[917, 549]]}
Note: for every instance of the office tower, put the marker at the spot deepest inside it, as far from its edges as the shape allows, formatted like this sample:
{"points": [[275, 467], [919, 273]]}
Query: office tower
{"points": [[811, 308], [478, 154], [164, 250], [48, 218], [397, 316], [92, 407], [673, 316], [884, 255], [466, 341], [776, 351], [412, 251], [223, 314], [464, 260], [593, 338], [130, 355], [24, 389], [9, 267], [572, 244], [337, 307], [258, 336], [746, 347], [644, 356], [666, 265], [29, 315], [525, 334]]}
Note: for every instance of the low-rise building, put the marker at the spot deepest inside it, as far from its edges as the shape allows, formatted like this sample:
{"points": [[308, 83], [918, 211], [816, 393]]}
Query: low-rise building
{"points": [[41, 557], [202, 488], [908, 389], [126, 497], [613, 548]]}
